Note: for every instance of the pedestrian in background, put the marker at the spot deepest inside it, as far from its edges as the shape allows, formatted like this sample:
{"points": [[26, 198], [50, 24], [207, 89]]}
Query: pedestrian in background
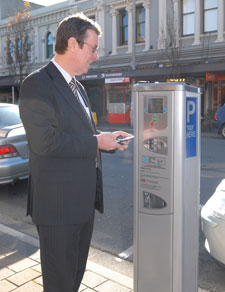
{"points": [[64, 161]]}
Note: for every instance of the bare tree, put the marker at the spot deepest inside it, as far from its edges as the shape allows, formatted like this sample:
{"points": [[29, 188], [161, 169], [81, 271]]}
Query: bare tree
{"points": [[171, 46], [18, 44]]}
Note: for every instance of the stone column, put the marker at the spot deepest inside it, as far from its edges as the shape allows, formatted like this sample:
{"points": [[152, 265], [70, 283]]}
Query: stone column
{"points": [[176, 4], [129, 9], [197, 40], [220, 25], [146, 5], [162, 24], [43, 46], [114, 14], [36, 45], [101, 19]]}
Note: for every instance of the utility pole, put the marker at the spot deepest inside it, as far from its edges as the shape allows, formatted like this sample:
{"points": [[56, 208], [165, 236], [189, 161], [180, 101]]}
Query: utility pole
{"points": [[133, 61]]}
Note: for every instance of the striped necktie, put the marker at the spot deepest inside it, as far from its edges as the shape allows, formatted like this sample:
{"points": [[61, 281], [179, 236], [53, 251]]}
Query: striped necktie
{"points": [[74, 88]]}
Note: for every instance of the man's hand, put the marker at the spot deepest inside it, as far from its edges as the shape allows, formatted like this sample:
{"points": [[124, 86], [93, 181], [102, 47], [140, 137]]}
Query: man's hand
{"points": [[107, 141]]}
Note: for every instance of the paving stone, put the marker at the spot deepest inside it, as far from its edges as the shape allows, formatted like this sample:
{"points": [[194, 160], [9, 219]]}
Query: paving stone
{"points": [[6, 286], [5, 272], [22, 265], [111, 286], [10, 258], [92, 280], [23, 277], [29, 287], [37, 268], [39, 281], [35, 256], [82, 288]]}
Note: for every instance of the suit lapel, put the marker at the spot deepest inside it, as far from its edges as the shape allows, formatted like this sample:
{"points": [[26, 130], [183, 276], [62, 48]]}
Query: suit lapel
{"points": [[63, 88]]}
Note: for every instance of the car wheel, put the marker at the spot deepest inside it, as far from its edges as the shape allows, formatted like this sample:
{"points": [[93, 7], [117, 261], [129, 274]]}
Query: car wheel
{"points": [[223, 131]]}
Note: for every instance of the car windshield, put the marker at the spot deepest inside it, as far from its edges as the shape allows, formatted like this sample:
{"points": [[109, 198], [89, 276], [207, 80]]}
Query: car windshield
{"points": [[9, 115]]}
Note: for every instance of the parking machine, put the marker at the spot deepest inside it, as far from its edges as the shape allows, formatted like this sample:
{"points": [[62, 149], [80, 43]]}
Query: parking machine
{"points": [[166, 187]]}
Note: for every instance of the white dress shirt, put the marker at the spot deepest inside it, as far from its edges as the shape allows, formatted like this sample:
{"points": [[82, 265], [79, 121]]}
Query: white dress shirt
{"points": [[68, 78]]}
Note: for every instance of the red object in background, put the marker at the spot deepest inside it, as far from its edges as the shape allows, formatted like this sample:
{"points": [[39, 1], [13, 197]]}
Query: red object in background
{"points": [[7, 151], [119, 118], [210, 76]]}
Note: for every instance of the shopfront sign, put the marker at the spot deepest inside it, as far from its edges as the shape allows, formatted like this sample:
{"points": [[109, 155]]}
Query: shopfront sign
{"points": [[112, 75], [214, 76], [117, 80], [176, 80]]}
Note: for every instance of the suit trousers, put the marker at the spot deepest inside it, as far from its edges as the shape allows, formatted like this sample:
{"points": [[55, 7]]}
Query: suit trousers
{"points": [[64, 251]]}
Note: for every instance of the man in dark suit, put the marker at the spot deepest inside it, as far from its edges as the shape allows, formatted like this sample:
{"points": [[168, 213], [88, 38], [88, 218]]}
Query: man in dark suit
{"points": [[64, 155]]}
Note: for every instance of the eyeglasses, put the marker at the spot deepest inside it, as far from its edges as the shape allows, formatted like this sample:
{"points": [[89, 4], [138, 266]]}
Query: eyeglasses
{"points": [[93, 48]]}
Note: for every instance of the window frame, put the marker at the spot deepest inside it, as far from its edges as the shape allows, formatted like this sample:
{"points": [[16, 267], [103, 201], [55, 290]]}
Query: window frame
{"points": [[140, 23], [49, 54], [123, 28], [186, 14], [18, 49], [27, 48], [10, 57], [205, 10]]}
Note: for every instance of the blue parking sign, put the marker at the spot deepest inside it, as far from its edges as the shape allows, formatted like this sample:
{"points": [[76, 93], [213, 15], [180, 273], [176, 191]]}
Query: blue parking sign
{"points": [[191, 127]]}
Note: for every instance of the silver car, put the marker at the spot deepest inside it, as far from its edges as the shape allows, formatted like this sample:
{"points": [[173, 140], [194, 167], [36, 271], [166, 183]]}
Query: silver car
{"points": [[213, 223], [13, 145]]}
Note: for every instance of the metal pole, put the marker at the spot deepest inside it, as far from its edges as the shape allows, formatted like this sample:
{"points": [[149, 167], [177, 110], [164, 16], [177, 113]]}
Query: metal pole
{"points": [[133, 62], [13, 95]]}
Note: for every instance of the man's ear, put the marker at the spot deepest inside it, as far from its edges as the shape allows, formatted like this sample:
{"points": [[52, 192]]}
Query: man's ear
{"points": [[72, 44]]}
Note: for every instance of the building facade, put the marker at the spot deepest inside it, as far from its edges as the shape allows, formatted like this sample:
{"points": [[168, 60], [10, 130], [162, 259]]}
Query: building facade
{"points": [[173, 40]]}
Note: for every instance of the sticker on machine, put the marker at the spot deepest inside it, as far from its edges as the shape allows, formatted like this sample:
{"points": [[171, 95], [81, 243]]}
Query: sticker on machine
{"points": [[191, 127]]}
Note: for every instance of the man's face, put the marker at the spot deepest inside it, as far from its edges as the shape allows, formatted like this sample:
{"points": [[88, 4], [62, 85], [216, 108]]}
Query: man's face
{"points": [[88, 53]]}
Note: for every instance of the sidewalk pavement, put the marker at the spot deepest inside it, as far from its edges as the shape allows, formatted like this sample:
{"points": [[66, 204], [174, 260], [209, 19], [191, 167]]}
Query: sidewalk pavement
{"points": [[20, 269]]}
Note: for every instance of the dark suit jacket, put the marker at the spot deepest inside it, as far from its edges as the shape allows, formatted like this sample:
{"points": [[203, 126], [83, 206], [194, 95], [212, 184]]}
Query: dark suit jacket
{"points": [[62, 182]]}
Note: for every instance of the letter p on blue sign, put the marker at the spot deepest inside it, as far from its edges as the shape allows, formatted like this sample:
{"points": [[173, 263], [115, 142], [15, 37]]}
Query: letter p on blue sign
{"points": [[191, 127]]}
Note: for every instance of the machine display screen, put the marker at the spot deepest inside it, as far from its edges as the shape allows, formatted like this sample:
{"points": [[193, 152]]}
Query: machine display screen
{"points": [[155, 105]]}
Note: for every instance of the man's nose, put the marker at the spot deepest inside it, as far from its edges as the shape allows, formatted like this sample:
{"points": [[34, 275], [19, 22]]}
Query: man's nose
{"points": [[95, 55]]}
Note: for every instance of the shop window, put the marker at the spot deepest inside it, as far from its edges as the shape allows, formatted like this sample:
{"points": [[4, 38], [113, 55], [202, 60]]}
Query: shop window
{"points": [[27, 49], [210, 15], [123, 21], [9, 57], [118, 103], [23, 49], [119, 93], [188, 16], [140, 24], [49, 42]]}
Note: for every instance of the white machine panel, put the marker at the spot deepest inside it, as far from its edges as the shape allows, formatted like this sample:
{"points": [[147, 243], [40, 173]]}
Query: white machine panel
{"points": [[155, 153]]}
